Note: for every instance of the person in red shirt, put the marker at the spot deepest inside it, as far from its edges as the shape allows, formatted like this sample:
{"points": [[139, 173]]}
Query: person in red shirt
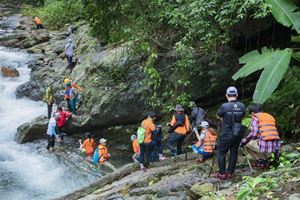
{"points": [[61, 120]]}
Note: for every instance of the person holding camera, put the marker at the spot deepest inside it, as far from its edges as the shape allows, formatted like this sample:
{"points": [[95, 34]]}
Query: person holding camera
{"points": [[231, 114]]}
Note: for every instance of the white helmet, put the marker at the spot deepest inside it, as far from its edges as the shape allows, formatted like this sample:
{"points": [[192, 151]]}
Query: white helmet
{"points": [[133, 137], [102, 140], [204, 124]]}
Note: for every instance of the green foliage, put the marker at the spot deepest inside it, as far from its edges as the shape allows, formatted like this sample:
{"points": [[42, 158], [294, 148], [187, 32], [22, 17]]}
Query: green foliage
{"points": [[284, 13], [284, 103], [180, 31], [254, 187], [274, 62], [247, 121], [56, 13]]}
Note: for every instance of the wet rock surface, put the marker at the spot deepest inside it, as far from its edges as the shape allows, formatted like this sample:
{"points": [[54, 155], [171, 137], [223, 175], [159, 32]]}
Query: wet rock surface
{"points": [[10, 72]]}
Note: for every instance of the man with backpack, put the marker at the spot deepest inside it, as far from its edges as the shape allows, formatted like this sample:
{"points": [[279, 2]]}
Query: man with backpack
{"points": [[145, 135], [231, 114], [263, 138], [197, 114], [179, 128]]}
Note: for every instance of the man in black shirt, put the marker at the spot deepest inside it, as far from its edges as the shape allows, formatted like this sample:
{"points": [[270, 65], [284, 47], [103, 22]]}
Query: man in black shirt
{"points": [[231, 114]]}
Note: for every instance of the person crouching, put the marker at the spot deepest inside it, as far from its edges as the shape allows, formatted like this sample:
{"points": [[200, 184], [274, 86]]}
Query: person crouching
{"points": [[206, 142]]}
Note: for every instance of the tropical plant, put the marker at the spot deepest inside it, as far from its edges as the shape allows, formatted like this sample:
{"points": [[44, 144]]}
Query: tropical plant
{"points": [[273, 62], [254, 187]]}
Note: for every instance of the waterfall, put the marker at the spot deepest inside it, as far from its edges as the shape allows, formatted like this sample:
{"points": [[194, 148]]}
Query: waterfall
{"points": [[26, 173]]}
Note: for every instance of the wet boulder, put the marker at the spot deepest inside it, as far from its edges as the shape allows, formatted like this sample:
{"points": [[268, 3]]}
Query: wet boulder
{"points": [[29, 89], [31, 131], [10, 72]]}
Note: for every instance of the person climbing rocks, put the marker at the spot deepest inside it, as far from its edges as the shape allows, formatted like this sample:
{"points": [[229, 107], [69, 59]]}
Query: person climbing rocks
{"points": [[69, 52], [231, 114], [206, 143], [67, 95], [52, 132], [49, 98], [197, 114], [62, 120], [88, 145], [73, 99], [136, 148], [179, 127], [263, 138], [70, 84], [104, 155], [147, 145], [38, 23]]}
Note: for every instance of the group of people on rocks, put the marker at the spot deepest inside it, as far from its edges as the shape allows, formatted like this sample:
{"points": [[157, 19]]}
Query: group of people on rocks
{"points": [[259, 143], [147, 144]]}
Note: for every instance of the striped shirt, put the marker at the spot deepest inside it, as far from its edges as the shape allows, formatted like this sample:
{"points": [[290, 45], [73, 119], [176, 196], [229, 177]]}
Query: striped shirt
{"points": [[265, 146]]}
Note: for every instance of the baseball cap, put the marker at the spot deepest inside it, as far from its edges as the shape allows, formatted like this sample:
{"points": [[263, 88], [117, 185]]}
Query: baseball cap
{"points": [[231, 91], [179, 108]]}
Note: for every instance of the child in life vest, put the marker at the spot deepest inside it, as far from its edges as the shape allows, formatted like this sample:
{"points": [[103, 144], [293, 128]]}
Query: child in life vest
{"points": [[135, 147], [206, 142]]}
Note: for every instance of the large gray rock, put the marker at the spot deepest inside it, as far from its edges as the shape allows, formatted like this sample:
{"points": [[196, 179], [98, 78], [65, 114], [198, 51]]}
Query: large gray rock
{"points": [[29, 89], [31, 131]]}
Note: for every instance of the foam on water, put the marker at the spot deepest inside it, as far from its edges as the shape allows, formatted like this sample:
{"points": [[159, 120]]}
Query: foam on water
{"points": [[25, 173]]}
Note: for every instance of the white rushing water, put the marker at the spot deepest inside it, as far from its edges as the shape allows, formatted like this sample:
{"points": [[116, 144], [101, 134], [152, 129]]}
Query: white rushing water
{"points": [[24, 172]]}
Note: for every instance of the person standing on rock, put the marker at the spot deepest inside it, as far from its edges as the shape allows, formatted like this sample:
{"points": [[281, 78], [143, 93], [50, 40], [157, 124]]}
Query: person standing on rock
{"points": [[263, 138], [69, 52], [197, 114], [231, 114], [49, 98], [38, 23], [147, 145], [179, 128], [135, 148], [52, 132]]}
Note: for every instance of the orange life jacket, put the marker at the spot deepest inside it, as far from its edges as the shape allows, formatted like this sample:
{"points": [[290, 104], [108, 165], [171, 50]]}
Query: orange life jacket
{"points": [[267, 127], [135, 146], [103, 153], [37, 21], [209, 142]]}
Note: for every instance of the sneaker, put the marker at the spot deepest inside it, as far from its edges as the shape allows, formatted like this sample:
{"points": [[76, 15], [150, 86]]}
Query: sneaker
{"points": [[219, 176], [229, 176], [143, 168], [162, 158], [200, 160]]}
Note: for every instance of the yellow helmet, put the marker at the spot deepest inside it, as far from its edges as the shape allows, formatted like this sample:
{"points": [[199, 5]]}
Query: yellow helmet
{"points": [[67, 80]]}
